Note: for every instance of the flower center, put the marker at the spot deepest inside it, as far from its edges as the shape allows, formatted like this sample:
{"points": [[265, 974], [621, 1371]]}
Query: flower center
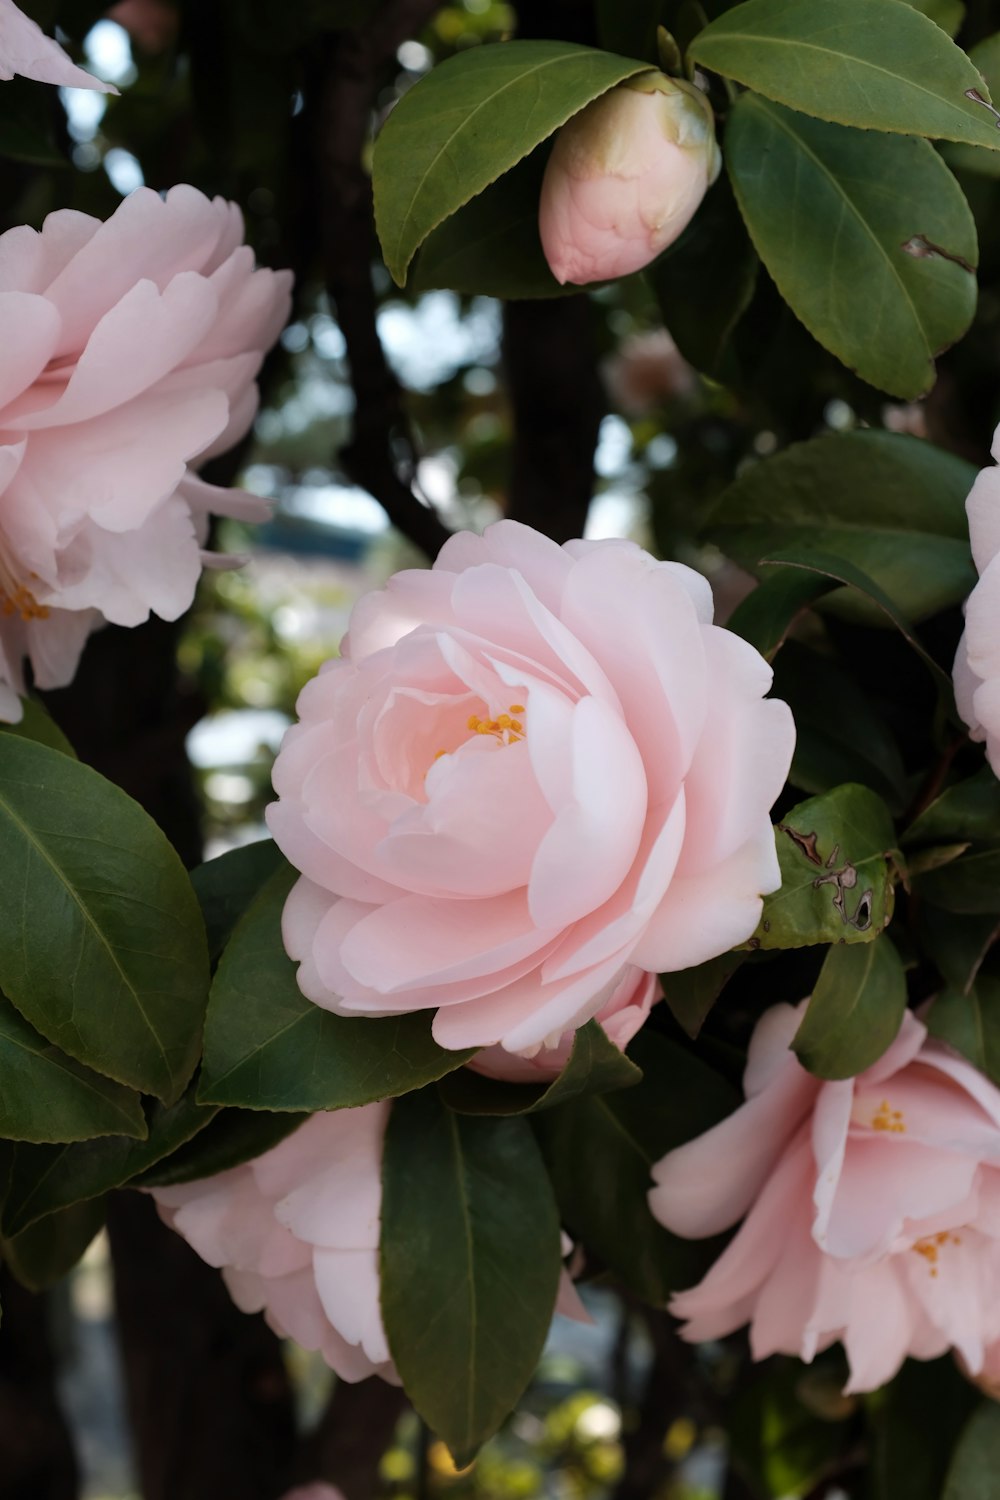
{"points": [[931, 1247], [885, 1118], [505, 727]]}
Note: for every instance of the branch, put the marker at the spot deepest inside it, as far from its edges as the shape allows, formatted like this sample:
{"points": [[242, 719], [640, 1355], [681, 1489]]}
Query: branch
{"points": [[380, 456]]}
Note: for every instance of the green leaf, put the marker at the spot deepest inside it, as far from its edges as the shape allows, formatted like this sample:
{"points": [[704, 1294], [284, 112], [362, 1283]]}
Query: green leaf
{"points": [[855, 1011], [471, 119], [36, 724], [974, 1473], [104, 950], [231, 1138], [971, 1023], [765, 617], [968, 810], [892, 505], [45, 1179], [869, 238], [47, 1096], [691, 993], [599, 1149], [778, 1440], [225, 886], [877, 64], [43, 1254], [595, 1066], [835, 879], [969, 885], [985, 57], [957, 943], [268, 1047], [812, 560], [491, 246], [470, 1264], [705, 280], [839, 735], [910, 1454], [949, 15]]}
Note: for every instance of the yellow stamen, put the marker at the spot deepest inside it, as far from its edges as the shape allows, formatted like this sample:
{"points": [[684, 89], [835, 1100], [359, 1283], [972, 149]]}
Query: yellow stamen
{"points": [[888, 1119], [503, 728]]}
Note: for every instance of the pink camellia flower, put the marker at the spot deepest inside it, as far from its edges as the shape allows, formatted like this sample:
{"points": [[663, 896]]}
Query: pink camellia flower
{"points": [[977, 664], [129, 357], [532, 768], [872, 1207], [625, 177], [296, 1234], [25, 49], [620, 1018]]}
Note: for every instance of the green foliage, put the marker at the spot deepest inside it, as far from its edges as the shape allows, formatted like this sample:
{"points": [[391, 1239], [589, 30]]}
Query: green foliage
{"points": [[891, 505], [37, 725], [231, 1137], [47, 1096], [595, 1066], [691, 993], [910, 1453], [225, 886], [470, 1263], [855, 1010], [788, 1430], [971, 1023], [268, 1047], [836, 883], [42, 1255], [974, 1472], [875, 64], [108, 957], [859, 232], [469, 121], [599, 1150]]}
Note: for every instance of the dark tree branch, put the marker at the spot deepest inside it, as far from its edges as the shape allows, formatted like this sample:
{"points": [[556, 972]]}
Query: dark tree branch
{"points": [[558, 404], [380, 456], [208, 1391], [347, 1445], [36, 1454]]}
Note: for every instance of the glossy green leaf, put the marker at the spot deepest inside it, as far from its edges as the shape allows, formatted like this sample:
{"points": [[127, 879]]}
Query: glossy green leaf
{"points": [[876, 64], [968, 885], [268, 1047], [105, 951], [957, 942], [968, 810], [869, 238], [974, 1472], [47, 1096], [892, 505], [971, 1023], [985, 57], [839, 734], [471, 119], [705, 280], [600, 1148], [910, 1455], [491, 247], [470, 1264], [226, 885], [855, 1011], [835, 878], [949, 15], [36, 724], [42, 1255], [765, 617], [691, 993], [45, 1179], [595, 1066], [232, 1137]]}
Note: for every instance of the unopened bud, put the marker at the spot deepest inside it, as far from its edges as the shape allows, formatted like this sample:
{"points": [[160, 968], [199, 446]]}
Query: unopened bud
{"points": [[625, 178]]}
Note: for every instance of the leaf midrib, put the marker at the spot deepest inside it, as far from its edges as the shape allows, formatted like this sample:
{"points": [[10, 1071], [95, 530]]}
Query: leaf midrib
{"points": [[91, 922]]}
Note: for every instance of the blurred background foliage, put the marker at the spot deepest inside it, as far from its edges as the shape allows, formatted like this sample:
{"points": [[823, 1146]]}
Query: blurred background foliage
{"points": [[388, 415]]}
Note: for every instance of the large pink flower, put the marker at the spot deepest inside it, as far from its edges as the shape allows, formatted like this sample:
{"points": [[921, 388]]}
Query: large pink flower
{"points": [[533, 767], [872, 1207], [129, 356], [977, 664], [296, 1234], [25, 49]]}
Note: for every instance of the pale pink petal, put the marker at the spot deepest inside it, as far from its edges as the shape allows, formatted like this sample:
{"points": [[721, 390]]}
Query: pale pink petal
{"points": [[25, 49]]}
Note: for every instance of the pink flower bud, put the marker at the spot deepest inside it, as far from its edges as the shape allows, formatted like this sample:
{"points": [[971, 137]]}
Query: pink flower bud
{"points": [[625, 177]]}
